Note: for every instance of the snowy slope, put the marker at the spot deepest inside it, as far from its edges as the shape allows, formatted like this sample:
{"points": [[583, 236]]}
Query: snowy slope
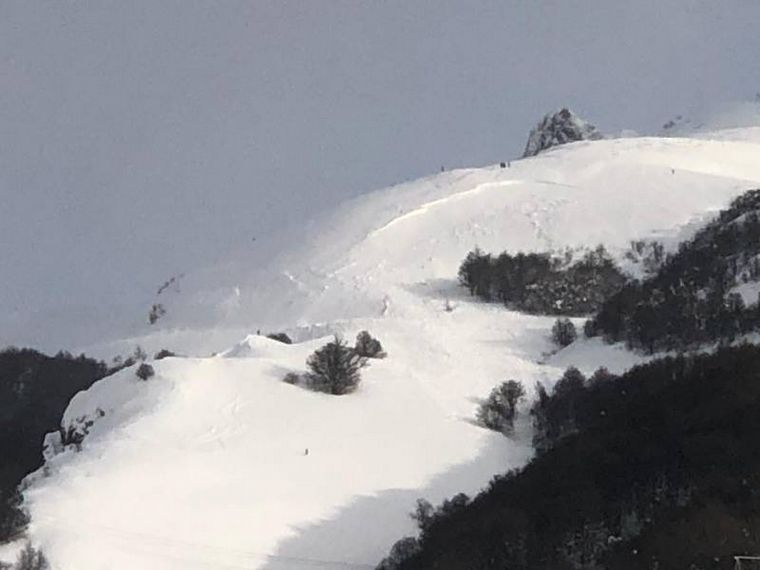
{"points": [[354, 261], [204, 466]]}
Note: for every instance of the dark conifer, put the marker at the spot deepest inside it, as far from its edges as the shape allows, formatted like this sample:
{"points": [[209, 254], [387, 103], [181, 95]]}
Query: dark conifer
{"points": [[334, 368]]}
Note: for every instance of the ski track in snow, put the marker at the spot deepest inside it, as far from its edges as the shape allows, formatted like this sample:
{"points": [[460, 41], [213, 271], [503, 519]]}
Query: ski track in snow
{"points": [[204, 465], [427, 207], [533, 211]]}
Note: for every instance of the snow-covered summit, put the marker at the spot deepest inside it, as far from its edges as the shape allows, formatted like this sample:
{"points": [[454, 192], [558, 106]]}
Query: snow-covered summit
{"points": [[205, 465], [558, 128]]}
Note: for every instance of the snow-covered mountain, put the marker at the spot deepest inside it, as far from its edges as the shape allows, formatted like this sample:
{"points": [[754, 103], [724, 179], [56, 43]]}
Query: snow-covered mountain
{"points": [[205, 465]]}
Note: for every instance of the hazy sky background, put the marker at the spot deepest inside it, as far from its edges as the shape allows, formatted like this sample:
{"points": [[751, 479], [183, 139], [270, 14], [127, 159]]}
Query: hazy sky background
{"points": [[140, 139]]}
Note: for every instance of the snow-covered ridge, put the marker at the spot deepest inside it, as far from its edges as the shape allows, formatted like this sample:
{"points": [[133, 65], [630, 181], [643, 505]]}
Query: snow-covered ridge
{"points": [[348, 263], [205, 464]]}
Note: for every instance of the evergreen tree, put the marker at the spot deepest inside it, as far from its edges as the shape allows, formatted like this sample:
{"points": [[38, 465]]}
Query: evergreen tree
{"points": [[563, 332], [401, 552], [13, 518], [31, 559], [368, 347], [572, 380], [145, 371], [334, 368], [475, 274], [556, 416], [498, 411], [423, 515]]}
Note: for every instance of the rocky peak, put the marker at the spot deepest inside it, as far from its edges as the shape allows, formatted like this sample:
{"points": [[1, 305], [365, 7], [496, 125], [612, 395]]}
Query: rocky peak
{"points": [[558, 128]]}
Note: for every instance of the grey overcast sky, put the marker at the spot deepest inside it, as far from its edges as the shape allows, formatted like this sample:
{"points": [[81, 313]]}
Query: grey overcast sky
{"points": [[143, 138]]}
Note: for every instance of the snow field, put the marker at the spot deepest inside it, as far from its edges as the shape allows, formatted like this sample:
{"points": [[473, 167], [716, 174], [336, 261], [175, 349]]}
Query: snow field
{"points": [[204, 465]]}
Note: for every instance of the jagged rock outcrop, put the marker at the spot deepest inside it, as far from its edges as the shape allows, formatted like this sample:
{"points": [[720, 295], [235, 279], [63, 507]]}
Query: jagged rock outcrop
{"points": [[558, 128]]}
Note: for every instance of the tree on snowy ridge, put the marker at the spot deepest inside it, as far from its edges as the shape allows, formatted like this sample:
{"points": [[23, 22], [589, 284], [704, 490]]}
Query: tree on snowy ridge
{"points": [[334, 368], [145, 371]]}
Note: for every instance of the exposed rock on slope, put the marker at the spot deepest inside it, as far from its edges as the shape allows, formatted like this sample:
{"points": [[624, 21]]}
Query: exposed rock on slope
{"points": [[562, 127]]}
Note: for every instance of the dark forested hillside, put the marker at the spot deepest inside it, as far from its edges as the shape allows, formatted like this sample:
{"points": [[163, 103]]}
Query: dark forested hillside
{"points": [[693, 298], [34, 392], [658, 468]]}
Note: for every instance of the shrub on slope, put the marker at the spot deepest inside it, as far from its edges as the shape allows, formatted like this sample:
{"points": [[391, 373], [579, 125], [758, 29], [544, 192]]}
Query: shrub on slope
{"points": [[498, 411], [334, 368], [660, 469], [368, 346], [145, 371]]}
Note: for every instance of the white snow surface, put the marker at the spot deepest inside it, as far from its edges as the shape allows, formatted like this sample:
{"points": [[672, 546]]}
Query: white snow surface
{"points": [[205, 464]]}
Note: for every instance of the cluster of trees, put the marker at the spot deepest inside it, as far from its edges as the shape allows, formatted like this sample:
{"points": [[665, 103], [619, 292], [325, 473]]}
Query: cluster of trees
{"points": [[657, 468], [541, 284], [499, 410], [28, 559], [564, 411], [144, 371], [690, 301], [335, 367], [119, 362], [401, 551], [34, 391], [74, 434], [367, 346], [426, 515], [649, 254]]}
